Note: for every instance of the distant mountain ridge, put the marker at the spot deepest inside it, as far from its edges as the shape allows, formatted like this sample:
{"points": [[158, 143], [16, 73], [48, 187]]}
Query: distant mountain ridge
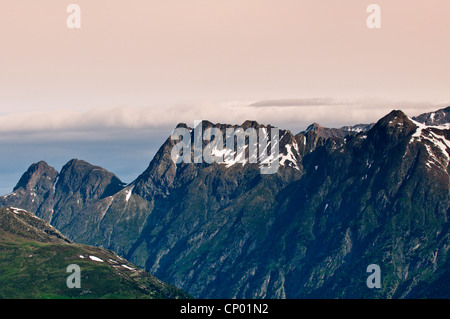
{"points": [[342, 199], [337, 132], [439, 117]]}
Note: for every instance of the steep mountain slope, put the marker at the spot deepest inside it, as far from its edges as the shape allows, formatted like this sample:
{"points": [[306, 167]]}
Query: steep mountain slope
{"points": [[35, 256], [367, 198], [342, 199], [371, 199]]}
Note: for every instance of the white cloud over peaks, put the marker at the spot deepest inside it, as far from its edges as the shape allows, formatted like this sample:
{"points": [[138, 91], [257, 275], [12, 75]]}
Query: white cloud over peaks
{"points": [[294, 114]]}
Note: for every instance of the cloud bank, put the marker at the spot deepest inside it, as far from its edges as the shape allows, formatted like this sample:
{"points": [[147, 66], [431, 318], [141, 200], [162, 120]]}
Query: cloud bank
{"points": [[299, 102], [114, 122]]}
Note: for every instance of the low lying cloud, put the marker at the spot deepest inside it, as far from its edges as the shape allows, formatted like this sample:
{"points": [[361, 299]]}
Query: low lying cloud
{"points": [[109, 123], [298, 102]]}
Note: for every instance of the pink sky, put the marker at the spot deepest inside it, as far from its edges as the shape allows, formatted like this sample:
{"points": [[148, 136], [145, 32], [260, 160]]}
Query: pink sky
{"points": [[138, 67], [145, 53]]}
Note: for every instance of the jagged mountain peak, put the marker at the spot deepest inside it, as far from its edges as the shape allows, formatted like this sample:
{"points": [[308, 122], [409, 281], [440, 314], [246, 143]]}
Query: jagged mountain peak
{"points": [[395, 123], [394, 116], [39, 175], [76, 166], [312, 127], [207, 124], [41, 165], [319, 131], [89, 181], [251, 123], [81, 164], [181, 125]]}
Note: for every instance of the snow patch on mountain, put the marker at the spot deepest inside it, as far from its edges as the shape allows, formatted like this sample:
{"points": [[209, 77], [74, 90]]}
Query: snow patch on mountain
{"points": [[94, 258], [289, 157], [129, 192], [427, 133]]}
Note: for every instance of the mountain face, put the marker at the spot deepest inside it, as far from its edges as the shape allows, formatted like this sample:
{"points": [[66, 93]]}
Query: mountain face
{"points": [[342, 199], [440, 117], [36, 256]]}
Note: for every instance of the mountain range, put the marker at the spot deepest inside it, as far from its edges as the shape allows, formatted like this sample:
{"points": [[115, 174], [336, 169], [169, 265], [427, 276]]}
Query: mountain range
{"points": [[342, 199]]}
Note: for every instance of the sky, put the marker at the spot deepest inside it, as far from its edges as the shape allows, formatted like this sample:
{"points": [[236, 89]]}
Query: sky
{"points": [[111, 91]]}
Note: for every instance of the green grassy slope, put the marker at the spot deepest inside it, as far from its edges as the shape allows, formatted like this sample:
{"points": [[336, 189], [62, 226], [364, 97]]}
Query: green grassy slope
{"points": [[34, 258]]}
